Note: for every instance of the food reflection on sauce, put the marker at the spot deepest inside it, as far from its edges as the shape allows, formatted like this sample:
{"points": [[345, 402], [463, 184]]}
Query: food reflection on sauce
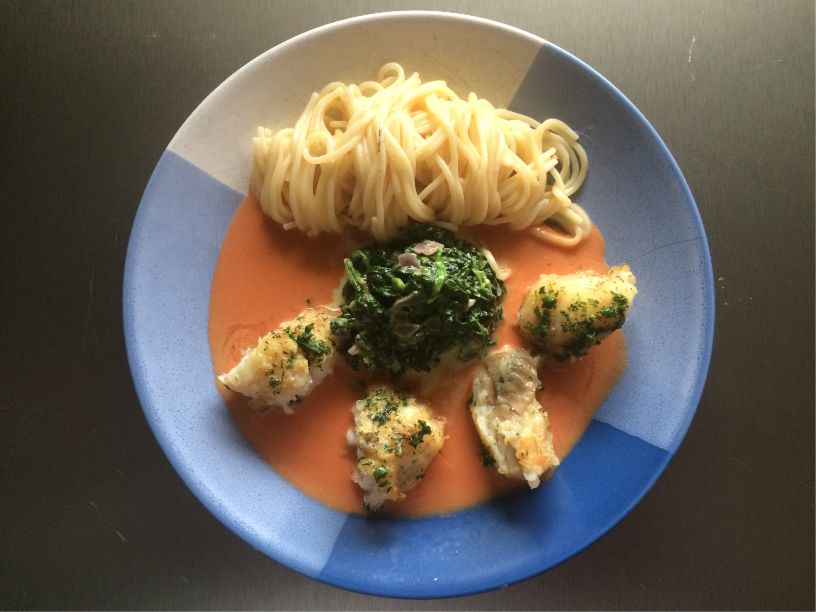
{"points": [[266, 275]]}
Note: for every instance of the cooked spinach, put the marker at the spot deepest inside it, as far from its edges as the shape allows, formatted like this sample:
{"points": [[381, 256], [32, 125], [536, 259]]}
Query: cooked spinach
{"points": [[411, 300]]}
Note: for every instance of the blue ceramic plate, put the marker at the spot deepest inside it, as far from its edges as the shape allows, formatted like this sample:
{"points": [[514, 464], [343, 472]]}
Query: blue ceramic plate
{"points": [[634, 192]]}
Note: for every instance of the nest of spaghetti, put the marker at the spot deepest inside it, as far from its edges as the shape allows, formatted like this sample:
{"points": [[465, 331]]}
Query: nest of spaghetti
{"points": [[380, 154]]}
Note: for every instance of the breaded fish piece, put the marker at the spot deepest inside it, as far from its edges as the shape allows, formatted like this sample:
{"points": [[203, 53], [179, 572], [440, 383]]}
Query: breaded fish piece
{"points": [[564, 316], [514, 428], [396, 437], [287, 363]]}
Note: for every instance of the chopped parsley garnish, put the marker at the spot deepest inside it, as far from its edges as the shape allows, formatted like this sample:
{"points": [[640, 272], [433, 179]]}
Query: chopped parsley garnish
{"points": [[382, 403], [617, 309], [312, 348], [273, 380], [549, 297], [588, 329], [381, 416], [416, 438], [380, 473], [403, 309]]}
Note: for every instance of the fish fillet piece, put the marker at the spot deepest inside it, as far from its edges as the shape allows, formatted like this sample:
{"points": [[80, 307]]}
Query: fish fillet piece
{"points": [[397, 437], [564, 315], [287, 363], [512, 424]]}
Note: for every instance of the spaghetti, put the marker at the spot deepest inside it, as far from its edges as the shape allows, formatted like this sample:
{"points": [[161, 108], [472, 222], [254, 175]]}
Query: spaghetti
{"points": [[379, 154]]}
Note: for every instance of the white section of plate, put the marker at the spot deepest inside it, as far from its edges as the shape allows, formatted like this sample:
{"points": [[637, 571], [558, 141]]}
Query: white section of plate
{"points": [[217, 137]]}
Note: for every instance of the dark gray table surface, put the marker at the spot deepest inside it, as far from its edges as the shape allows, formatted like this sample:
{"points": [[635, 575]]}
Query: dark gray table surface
{"points": [[91, 513]]}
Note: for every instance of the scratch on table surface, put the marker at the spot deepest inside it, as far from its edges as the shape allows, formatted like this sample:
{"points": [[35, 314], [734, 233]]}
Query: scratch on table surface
{"points": [[121, 537], [95, 335], [87, 323], [691, 46], [768, 63], [184, 580], [95, 507]]}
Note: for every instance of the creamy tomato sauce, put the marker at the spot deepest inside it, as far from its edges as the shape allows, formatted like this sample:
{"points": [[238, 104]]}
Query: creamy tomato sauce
{"points": [[266, 275]]}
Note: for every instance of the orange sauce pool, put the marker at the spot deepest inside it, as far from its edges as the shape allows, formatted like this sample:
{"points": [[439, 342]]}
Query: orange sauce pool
{"points": [[266, 275]]}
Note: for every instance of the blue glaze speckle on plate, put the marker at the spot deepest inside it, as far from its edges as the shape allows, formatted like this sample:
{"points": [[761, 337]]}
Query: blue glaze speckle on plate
{"points": [[634, 192]]}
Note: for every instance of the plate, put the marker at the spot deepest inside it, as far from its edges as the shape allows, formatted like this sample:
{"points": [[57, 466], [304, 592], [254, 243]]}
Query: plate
{"points": [[634, 192]]}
